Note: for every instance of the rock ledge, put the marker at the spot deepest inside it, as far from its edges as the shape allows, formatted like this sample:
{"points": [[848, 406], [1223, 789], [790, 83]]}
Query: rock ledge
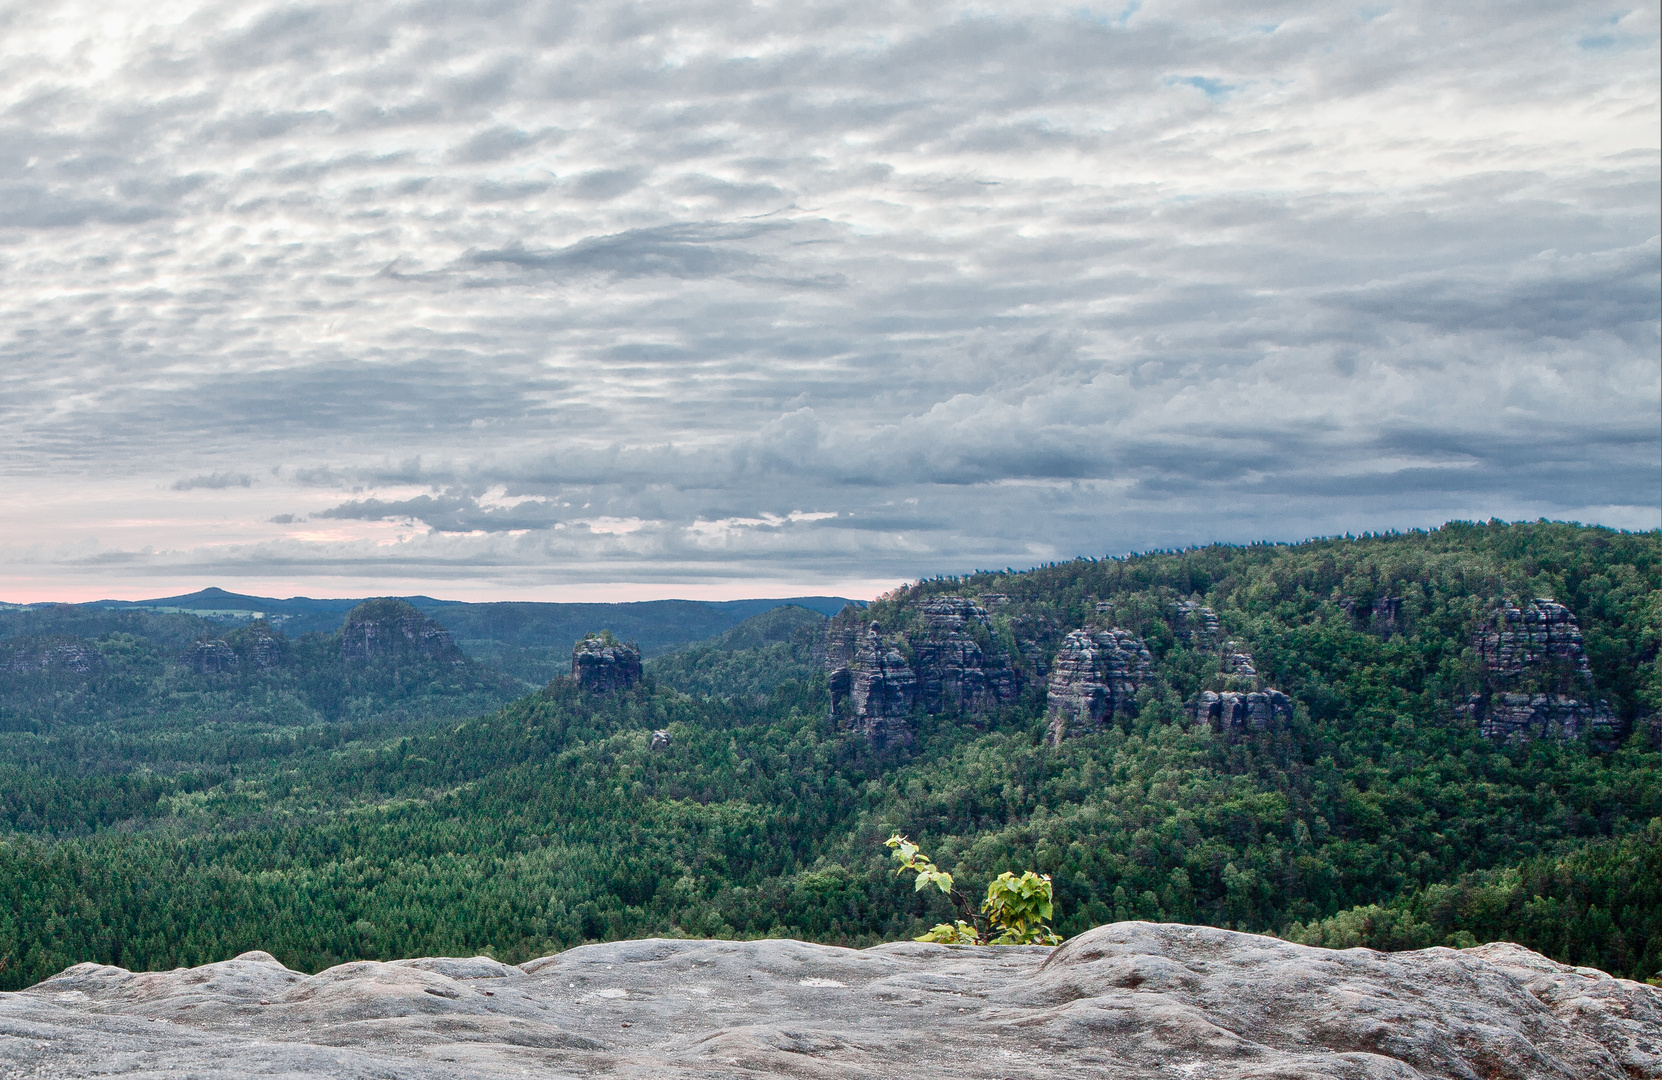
{"points": [[1121, 1001]]}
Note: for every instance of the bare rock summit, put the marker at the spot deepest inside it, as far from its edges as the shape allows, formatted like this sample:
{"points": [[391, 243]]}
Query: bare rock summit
{"points": [[1129, 1001], [602, 664]]}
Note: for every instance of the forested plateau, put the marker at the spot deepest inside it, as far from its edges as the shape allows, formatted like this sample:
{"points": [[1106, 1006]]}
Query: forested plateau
{"points": [[1403, 740]]}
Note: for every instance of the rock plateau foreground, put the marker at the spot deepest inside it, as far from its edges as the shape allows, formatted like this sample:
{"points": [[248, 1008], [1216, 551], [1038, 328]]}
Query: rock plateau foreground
{"points": [[1127, 1000]]}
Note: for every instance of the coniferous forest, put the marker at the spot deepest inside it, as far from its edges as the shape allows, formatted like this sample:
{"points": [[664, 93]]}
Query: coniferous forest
{"points": [[174, 793]]}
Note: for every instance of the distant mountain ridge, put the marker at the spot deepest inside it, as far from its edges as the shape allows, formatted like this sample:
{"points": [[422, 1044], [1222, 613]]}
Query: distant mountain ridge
{"points": [[529, 639]]}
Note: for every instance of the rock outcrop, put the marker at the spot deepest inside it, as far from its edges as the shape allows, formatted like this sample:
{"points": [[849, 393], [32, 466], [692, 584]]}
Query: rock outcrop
{"points": [[253, 646], [1196, 626], [602, 664], [257, 646], [872, 685], [954, 671], [1232, 713], [209, 656], [948, 662], [1382, 615], [1242, 704], [1093, 679], [394, 629], [1537, 681], [33, 655], [1130, 1001]]}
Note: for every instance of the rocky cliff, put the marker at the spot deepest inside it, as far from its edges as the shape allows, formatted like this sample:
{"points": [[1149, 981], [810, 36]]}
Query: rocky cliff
{"points": [[253, 646], [1129, 1001], [32, 655], [393, 629], [947, 660], [1537, 681], [1231, 712], [1094, 677], [872, 684], [603, 665]]}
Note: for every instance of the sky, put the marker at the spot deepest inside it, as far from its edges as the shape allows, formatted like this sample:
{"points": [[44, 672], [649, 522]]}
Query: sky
{"points": [[588, 301]]}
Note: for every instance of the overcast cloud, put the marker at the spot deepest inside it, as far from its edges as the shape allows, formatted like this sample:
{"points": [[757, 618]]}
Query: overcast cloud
{"points": [[630, 299]]}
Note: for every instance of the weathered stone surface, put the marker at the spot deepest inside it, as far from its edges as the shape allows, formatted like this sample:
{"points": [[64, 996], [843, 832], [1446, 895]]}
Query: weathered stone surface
{"points": [[1538, 683], [872, 685], [604, 665], [257, 645], [1235, 660], [1522, 641], [1507, 715], [1095, 677], [207, 656], [1382, 615], [1232, 713], [33, 655], [953, 670], [1195, 625], [1130, 1000], [387, 628]]}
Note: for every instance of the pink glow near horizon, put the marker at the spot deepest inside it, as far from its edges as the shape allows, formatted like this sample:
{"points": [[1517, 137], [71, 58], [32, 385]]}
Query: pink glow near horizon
{"points": [[598, 593]]}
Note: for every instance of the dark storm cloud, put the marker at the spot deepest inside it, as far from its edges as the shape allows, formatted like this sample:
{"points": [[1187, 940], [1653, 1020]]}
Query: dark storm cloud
{"points": [[542, 292]]}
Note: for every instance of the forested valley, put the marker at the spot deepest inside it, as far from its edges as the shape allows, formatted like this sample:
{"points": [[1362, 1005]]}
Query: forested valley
{"points": [[174, 793]]}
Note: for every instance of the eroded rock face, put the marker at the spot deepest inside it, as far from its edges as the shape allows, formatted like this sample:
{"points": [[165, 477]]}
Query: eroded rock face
{"points": [[604, 666], [1232, 713], [35, 655], [1129, 1001], [1195, 625], [872, 684], [953, 671], [387, 628], [1095, 677], [949, 661], [1522, 641], [1538, 683], [209, 656]]}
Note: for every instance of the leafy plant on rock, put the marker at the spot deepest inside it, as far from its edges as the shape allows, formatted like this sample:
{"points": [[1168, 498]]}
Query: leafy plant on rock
{"points": [[1017, 910]]}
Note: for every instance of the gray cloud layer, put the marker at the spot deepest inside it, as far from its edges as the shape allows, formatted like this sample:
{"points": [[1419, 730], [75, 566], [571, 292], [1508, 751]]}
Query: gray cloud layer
{"points": [[520, 295]]}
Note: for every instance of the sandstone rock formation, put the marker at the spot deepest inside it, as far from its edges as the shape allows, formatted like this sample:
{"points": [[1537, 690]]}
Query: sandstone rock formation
{"points": [[949, 661], [1232, 713], [602, 664], [1095, 677], [872, 685], [1382, 615], [34, 655], [208, 656], [257, 645], [1196, 626], [1538, 683], [253, 646], [953, 670], [1235, 660], [387, 628], [1130, 1000]]}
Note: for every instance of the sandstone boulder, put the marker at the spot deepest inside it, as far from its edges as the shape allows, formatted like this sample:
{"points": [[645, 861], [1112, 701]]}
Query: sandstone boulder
{"points": [[1130, 1001]]}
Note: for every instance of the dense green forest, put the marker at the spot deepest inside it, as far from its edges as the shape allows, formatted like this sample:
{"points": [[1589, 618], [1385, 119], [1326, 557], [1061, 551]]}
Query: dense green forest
{"points": [[153, 815]]}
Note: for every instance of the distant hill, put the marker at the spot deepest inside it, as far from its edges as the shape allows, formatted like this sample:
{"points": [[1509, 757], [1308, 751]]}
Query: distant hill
{"points": [[529, 640]]}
